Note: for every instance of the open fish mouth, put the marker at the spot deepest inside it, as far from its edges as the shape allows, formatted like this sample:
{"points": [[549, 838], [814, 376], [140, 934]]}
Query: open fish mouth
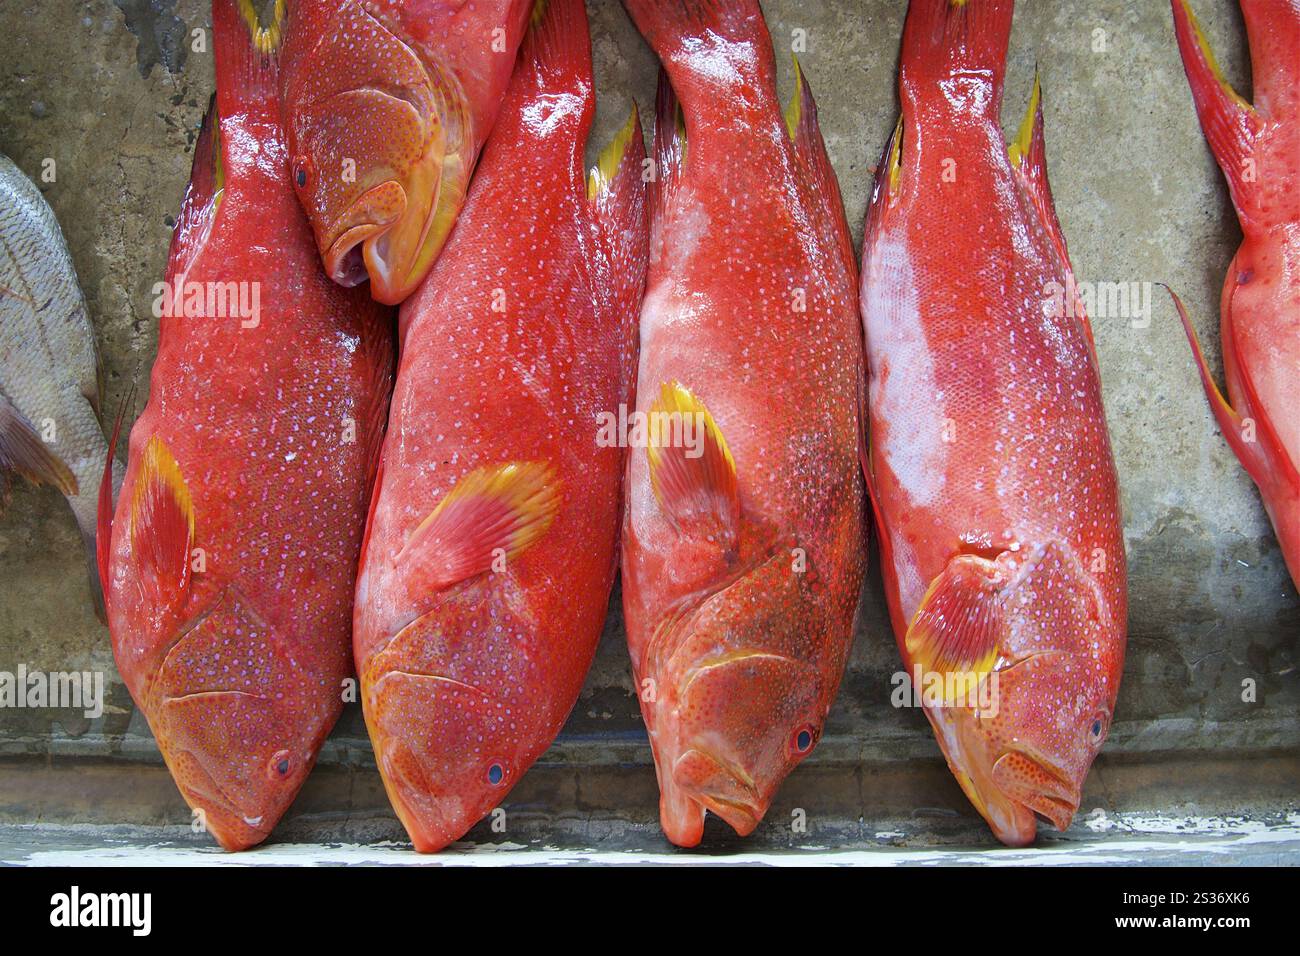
{"points": [[721, 786], [352, 248], [346, 258], [1052, 797]]}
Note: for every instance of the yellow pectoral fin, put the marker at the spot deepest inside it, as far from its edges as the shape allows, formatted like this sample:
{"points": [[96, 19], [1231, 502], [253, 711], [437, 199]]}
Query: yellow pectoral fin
{"points": [[957, 628], [162, 524], [692, 473], [492, 513]]}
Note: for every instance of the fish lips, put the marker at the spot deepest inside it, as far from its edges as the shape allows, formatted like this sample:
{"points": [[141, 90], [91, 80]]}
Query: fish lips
{"points": [[721, 787], [1051, 795], [351, 247]]}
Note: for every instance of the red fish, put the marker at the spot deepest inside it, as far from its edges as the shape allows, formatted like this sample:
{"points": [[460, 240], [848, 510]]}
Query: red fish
{"points": [[1258, 149], [743, 547], [235, 539], [491, 546], [991, 469], [387, 104]]}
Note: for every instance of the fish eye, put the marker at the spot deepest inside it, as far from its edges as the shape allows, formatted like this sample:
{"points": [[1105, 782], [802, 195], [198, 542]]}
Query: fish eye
{"points": [[1097, 729], [279, 765], [803, 740], [300, 172], [496, 773]]}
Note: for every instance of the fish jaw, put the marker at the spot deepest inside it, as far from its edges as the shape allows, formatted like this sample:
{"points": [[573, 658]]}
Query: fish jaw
{"points": [[394, 231], [1013, 823], [724, 789], [1015, 756]]}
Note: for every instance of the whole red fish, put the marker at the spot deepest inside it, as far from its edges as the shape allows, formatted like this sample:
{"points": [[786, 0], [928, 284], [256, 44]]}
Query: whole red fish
{"points": [[491, 546], [991, 469], [1258, 149], [387, 104], [743, 547], [235, 539]]}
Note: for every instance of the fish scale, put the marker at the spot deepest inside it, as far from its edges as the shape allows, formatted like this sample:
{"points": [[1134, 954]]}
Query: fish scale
{"points": [[492, 543]]}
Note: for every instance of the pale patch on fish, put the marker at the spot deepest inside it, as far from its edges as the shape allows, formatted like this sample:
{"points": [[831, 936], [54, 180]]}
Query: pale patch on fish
{"points": [[909, 398]]}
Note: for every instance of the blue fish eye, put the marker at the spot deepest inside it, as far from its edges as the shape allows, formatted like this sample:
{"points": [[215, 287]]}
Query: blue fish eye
{"points": [[496, 773], [1096, 727], [803, 742]]}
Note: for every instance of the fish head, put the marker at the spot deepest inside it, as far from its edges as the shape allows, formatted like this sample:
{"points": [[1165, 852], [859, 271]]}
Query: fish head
{"points": [[1023, 750], [747, 703], [239, 722], [446, 703], [379, 151]]}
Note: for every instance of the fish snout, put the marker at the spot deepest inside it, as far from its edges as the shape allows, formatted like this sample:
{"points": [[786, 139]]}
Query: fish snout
{"points": [[447, 751], [432, 815], [721, 786], [238, 799], [348, 246], [1038, 787]]}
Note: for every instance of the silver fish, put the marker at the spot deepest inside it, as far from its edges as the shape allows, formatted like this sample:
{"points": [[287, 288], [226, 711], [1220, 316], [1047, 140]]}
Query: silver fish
{"points": [[50, 431]]}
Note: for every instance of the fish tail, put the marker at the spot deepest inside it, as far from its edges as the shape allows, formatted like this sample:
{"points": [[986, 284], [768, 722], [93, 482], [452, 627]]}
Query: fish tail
{"points": [[708, 44], [247, 49], [1229, 122], [617, 192], [943, 39]]}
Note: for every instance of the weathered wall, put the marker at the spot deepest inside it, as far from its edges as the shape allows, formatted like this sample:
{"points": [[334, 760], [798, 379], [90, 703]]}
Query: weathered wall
{"points": [[1139, 198]]}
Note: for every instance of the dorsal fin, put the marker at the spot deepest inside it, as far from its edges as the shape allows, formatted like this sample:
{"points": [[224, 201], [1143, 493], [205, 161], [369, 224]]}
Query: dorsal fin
{"points": [[1028, 156], [617, 193], [810, 147], [104, 515], [670, 149]]}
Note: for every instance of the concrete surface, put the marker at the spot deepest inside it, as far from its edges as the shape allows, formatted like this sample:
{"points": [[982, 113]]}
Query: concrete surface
{"points": [[111, 92], [1150, 840]]}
